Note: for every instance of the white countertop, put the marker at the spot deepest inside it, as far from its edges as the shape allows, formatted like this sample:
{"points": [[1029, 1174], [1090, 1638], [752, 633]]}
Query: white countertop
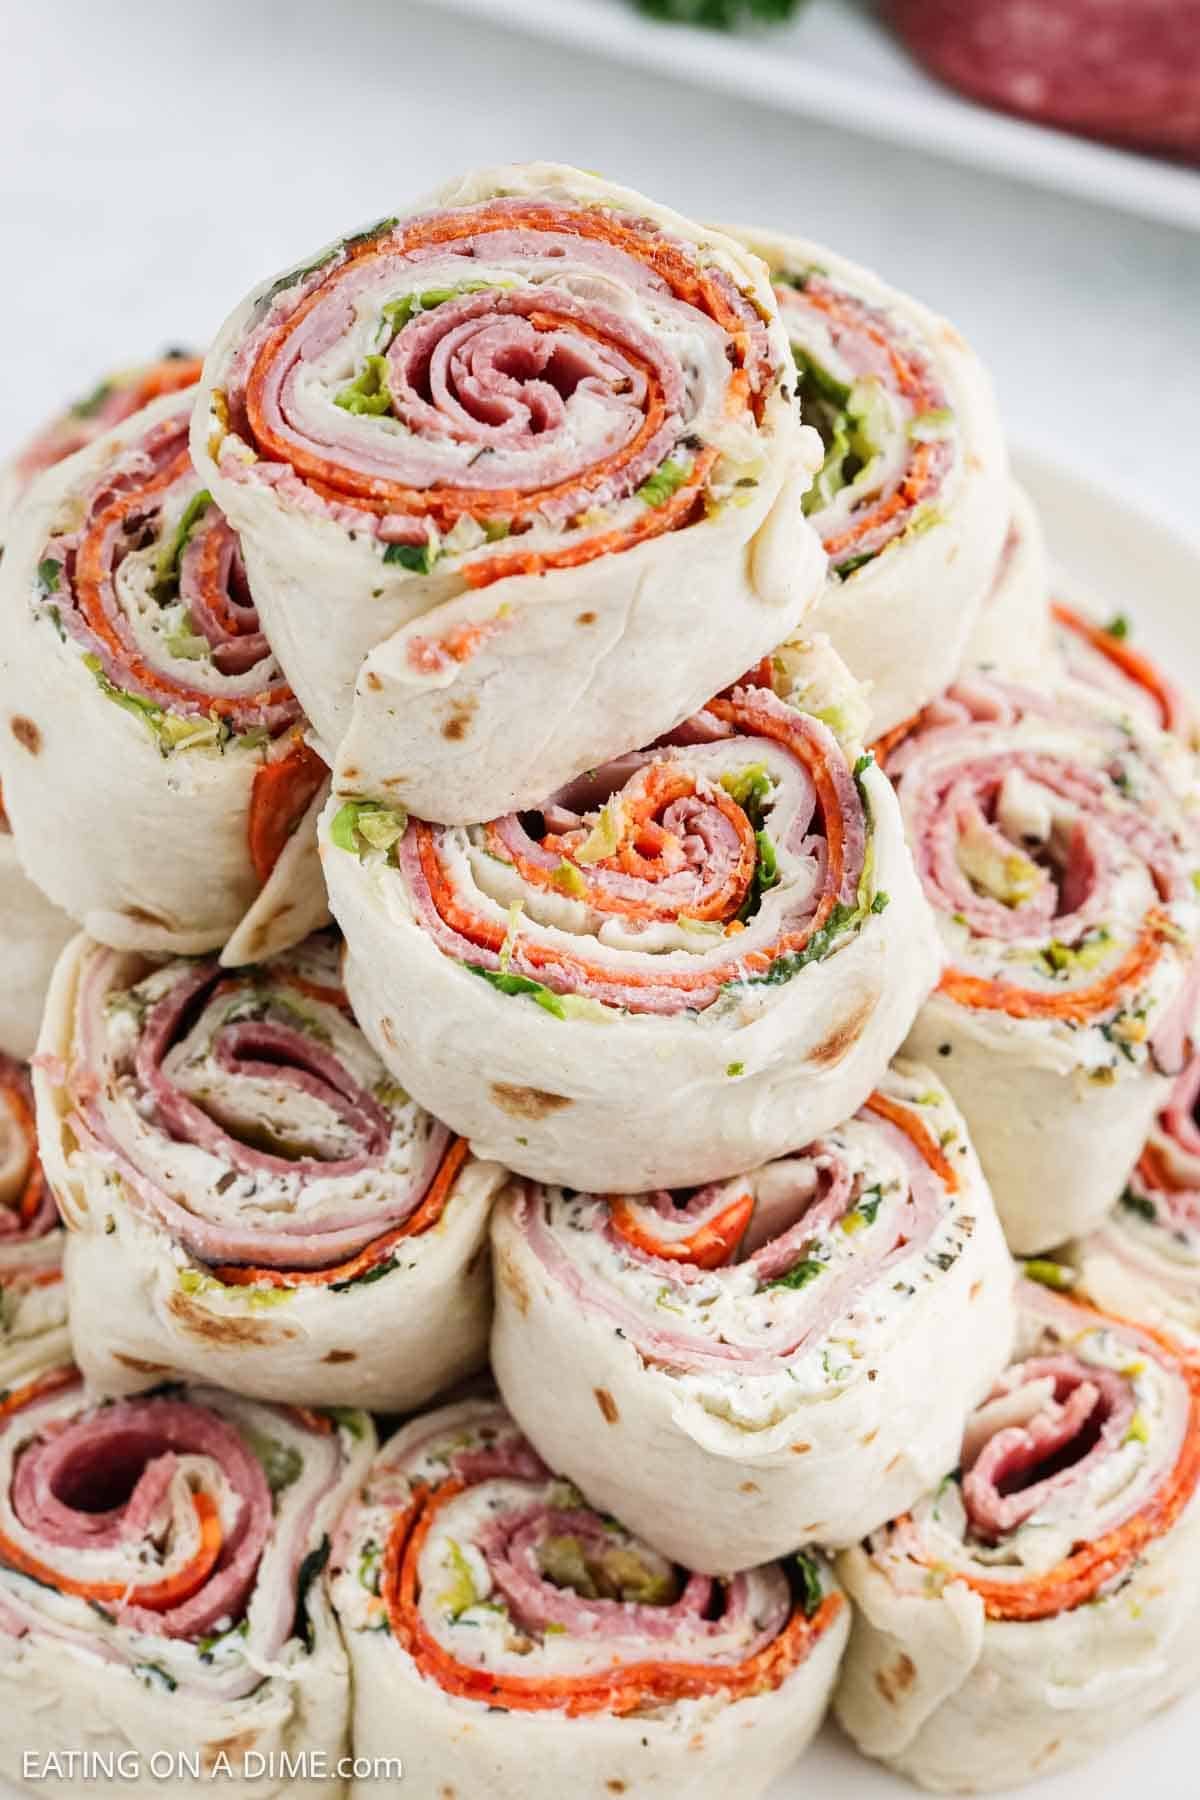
{"points": [[159, 157]]}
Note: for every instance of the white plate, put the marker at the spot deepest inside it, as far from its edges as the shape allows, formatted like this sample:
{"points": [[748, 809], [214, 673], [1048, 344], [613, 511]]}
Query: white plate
{"points": [[836, 62], [1133, 564]]}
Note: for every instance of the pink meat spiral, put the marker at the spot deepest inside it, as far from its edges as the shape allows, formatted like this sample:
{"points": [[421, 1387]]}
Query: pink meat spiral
{"points": [[543, 362], [744, 835], [150, 585], [1056, 842], [307, 1152], [160, 1519]]}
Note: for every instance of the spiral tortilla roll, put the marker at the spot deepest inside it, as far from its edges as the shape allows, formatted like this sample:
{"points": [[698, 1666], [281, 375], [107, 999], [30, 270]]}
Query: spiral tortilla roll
{"points": [[1012, 627], [252, 1200], [1041, 1601], [113, 399], [1143, 1259], [912, 499], [531, 446], [765, 1346], [160, 1589], [505, 1637], [1057, 845], [33, 1303], [154, 764], [31, 937], [690, 960], [1101, 656]]}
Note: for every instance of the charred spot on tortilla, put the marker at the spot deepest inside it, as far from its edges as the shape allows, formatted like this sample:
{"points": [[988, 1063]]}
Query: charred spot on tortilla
{"points": [[586, 618], [749, 1487], [26, 733], [512, 1279], [339, 1356], [801, 1449], [139, 1365], [371, 680], [526, 1102], [142, 915], [458, 724], [607, 1405], [897, 1680], [231, 1748], [229, 1332], [842, 1039]]}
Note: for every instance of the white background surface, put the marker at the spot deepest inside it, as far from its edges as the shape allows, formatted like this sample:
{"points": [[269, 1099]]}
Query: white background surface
{"points": [[158, 158]]}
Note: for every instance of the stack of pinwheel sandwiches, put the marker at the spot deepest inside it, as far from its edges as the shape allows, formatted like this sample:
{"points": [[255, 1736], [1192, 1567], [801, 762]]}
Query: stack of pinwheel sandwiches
{"points": [[759, 913]]}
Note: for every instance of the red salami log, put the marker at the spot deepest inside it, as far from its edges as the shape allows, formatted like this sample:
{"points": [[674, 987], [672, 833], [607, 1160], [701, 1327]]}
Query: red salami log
{"points": [[1128, 71]]}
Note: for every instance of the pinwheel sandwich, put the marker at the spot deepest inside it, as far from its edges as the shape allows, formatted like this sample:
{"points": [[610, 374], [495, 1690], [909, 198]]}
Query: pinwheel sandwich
{"points": [[252, 1200], [155, 770], [160, 1591], [688, 961], [1041, 1600], [506, 1638], [763, 1349], [911, 501], [1057, 843], [517, 477]]}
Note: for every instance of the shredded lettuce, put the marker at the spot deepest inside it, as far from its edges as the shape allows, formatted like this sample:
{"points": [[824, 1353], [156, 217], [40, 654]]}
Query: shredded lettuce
{"points": [[369, 391], [812, 1584], [171, 731], [195, 1281], [1050, 1274], [397, 313], [185, 642], [90, 405], [602, 840], [293, 277], [282, 1463], [569, 881], [48, 572], [799, 1275], [1005, 875], [751, 788], [852, 421], [362, 825], [765, 876], [420, 558], [841, 919], [561, 1006], [462, 1593], [170, 553], [666, 480]]}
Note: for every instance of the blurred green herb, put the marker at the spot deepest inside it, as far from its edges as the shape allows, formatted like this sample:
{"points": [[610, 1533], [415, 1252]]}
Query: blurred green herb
{"points": [[721, 15]]}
